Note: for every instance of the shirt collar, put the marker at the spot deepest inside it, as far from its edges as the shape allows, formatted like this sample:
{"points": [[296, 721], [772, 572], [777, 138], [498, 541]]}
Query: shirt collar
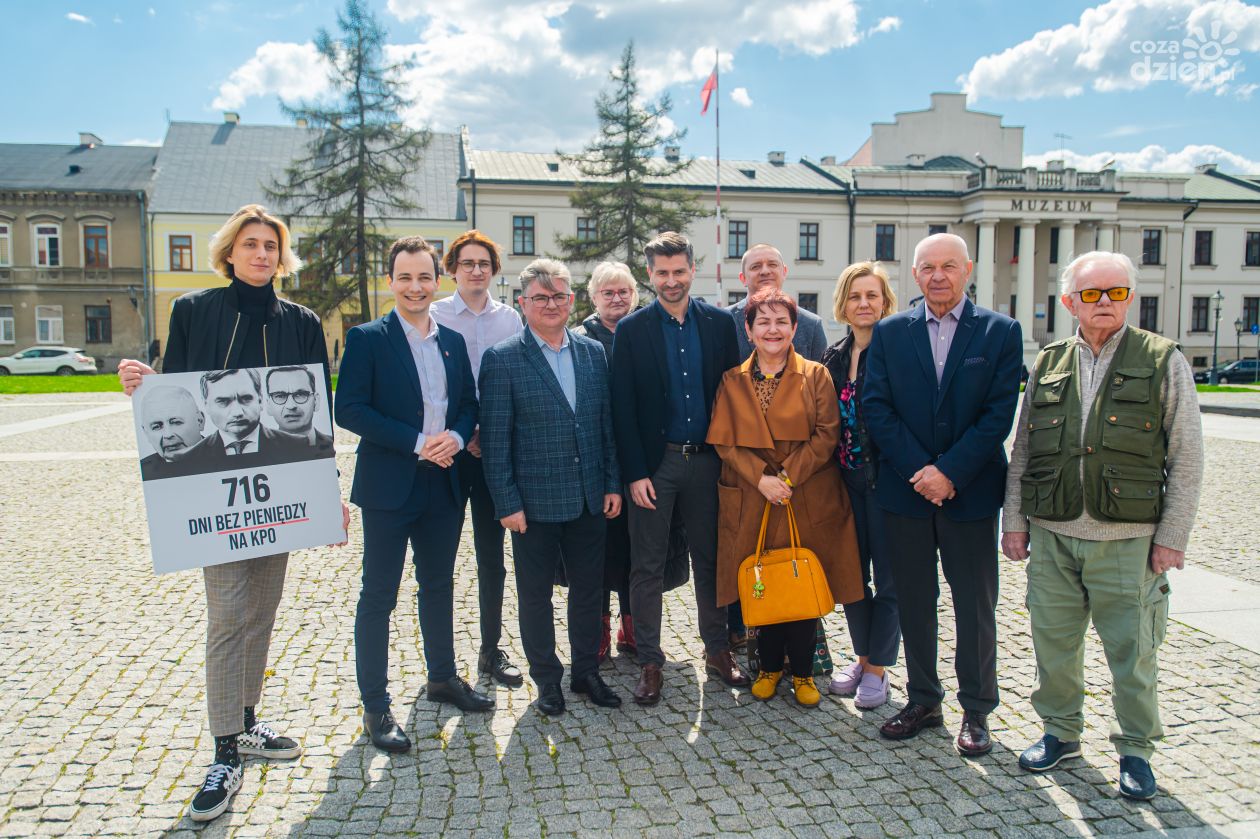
{"points": [[543, 345], [668, 318], [459, 305], [251, 437], [1107, 346], [409, 330], [956, 311]]}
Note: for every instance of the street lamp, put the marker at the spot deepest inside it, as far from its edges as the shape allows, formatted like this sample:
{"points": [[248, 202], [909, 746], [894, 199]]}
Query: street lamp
{"points": [[1238, 328], [1216, 333], [503, 288]]}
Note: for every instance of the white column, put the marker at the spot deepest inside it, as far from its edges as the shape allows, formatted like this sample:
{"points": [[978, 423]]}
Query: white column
{"points": [[984, 265], [1064, 323], [1024, 288], [1106, 238]]}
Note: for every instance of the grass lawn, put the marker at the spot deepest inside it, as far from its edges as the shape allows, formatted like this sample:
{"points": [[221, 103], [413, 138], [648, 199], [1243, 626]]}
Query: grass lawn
{"points": [[1224, 389], [102, 383]]}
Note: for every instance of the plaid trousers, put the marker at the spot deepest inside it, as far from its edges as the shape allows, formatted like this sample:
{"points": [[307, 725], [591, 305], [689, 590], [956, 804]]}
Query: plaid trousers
{"points": [[241, 601]]}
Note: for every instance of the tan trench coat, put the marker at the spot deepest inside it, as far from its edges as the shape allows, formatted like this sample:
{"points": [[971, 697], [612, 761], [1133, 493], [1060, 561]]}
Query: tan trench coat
{"points": [[797, 434]]}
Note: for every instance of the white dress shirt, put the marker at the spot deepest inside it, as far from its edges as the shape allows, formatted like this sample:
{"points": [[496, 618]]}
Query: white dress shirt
{"points": [[481, 330], [433, 393]]}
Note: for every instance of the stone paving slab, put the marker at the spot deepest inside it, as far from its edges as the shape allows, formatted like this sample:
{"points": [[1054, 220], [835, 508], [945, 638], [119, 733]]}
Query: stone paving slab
{"points": [[102, 716]]}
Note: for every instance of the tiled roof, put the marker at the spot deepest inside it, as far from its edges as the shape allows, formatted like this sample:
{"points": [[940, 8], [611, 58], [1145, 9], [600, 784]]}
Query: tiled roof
{"points": [[217, 168], [100, 167]]}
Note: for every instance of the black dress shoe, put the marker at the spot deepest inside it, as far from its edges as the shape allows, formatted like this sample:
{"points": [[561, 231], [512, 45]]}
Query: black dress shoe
{"points": [[500, 668], [596, 689], [1137, 781], [1046, 753], [973, 737], [551, 701], [460, 694], [910, 720], [387, 735]]}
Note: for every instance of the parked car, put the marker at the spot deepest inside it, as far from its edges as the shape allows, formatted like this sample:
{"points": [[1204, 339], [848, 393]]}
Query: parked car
{"points": [[63, 361], [1241, 371]]}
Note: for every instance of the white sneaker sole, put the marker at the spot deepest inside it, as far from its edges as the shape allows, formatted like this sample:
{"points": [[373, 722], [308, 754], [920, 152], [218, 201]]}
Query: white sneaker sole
{"points": [[273, 754], [212, 814]]}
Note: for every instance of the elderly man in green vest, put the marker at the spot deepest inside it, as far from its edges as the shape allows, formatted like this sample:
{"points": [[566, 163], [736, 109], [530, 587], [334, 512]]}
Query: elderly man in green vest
{"points": [[1100, 499]]}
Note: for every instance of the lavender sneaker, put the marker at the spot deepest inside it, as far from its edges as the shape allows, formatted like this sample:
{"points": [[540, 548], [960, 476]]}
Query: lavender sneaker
{"points": [[872, 691], [846, 681]]}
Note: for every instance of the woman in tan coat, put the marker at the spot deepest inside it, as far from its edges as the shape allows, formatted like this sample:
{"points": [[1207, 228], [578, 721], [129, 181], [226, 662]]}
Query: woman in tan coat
{"points": [[775, 425]]}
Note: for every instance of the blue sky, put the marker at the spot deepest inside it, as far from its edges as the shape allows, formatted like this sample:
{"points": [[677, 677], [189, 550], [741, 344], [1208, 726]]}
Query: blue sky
{"points": [[803, 76]]}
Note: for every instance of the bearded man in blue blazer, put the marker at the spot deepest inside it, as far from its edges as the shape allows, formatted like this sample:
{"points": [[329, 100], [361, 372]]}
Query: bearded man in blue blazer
{"points": [[550, 462], [406, 388], [942, 383]]}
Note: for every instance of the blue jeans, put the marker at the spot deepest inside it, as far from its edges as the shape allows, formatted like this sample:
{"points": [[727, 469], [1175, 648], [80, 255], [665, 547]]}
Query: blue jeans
{"points": [[432, 521], [873, 621]]}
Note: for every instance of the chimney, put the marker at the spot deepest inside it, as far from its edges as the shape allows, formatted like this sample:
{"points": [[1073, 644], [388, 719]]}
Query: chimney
{"points": [[90, 140], [775, 157], [231, 117], [916, 160], [829, 160], [1204, 168], [300, 122], [1054, 165], [671, 153]]}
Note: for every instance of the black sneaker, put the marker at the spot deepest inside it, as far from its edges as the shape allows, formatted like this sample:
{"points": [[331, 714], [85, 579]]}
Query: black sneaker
{"points": [[222, 782], [262, 741]]}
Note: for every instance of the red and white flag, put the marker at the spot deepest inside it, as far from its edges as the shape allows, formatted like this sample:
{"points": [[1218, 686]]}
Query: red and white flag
{"points": [[706, 92]]}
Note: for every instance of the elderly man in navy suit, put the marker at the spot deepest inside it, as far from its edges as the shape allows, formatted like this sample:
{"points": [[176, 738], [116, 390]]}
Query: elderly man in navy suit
{"points": [[406, 388], [942, 382], [551, 467]]}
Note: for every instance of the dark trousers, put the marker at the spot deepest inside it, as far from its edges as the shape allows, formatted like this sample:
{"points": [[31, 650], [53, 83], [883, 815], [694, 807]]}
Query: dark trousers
{"points": [[968, 551], [432, 521], [690, 483], [795, 638], [488, 545], [873, 622], [579, 544]]}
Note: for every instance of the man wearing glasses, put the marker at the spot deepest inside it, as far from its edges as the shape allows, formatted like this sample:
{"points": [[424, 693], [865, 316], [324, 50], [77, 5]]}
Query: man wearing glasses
{"points": [[1100, 499], [551, 465], [291, 401], [473, 260]]}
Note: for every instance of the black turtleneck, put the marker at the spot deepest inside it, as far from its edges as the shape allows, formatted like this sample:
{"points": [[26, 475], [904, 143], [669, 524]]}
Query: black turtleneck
{"points": [[255, 304]]}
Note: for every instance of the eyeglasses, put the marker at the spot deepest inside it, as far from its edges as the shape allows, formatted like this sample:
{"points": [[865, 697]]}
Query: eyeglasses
{"points": [[470, 266], [299, 397], [1093, 295], [541, 300], [610, 293]]}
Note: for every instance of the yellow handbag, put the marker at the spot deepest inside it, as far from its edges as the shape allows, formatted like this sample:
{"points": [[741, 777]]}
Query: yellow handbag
{"points": [[783, 584]]}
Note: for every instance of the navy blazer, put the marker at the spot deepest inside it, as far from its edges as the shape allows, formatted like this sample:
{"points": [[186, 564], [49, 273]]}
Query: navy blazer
{"points": [[960, 425], [540, 455], [378, 398], [640, 381]]}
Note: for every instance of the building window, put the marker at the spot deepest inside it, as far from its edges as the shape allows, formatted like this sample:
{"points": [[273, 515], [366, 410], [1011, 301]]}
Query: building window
{"points": [[1198, 361], [1152, 242], [1203, 247], [1148, 313], [6, 325], [95, 246], [1251, 251], [6, 246], [99, 324], [808, 301], [733, 297], [933, 229], [736, 239], [181, 258], [1054, 246], [585, 229], [439, 245], [885, 242], [1199, 314], [48, 325], [349, 263], [1015, 249], [523, 235], [1251, 312], [809, 240], [1052, 310], [48, 245]]}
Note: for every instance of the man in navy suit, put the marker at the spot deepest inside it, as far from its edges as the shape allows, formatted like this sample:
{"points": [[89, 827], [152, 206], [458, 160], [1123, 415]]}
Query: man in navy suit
{"points": [[942, 382], [406, 389], [551, 467], [668, 359]]}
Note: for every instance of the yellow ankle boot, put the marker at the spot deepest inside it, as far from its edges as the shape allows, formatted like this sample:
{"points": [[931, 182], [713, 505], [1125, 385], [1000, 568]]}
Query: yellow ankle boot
{"points": [[806, 691], [766, 685]]}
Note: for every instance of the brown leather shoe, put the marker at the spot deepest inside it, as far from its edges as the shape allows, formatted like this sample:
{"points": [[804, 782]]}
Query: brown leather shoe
{"points": [[973, 737], [648, 690], [725, 667], [910, 720]]}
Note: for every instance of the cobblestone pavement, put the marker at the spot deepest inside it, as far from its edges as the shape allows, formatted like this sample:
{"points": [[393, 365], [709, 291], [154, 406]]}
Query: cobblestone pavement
{"points": [[102, 716]]}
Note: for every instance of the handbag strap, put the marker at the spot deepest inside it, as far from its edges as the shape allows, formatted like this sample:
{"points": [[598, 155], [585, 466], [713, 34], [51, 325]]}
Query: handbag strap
{"points": [[761, 537], [794, 535]]}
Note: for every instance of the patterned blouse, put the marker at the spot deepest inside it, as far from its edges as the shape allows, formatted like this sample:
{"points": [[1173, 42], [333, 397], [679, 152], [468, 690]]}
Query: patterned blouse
{"points": [[764, 386], [849, 451]]}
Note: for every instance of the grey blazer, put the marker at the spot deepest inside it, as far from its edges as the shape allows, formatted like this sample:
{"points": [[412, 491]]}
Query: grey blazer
{"points": [[810, 341]]}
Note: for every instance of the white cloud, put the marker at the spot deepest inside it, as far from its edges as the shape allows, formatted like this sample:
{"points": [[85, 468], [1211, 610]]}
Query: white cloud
{"points": [[886, 24], [117, 19], [1126, 45], [740, 97], [291, 71], [140, 141], [1152, 158], [152, 12], [78, 18]]}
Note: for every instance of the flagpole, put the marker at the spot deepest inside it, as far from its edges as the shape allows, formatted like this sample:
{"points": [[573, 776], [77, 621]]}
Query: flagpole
{"points": [[717, 124]]}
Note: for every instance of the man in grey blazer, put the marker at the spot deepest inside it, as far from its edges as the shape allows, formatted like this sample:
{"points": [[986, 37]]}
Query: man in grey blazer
{"points": [[763, 266], [550, 462]]}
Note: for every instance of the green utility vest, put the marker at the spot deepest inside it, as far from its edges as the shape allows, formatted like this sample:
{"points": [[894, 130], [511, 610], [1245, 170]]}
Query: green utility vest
{"points": [[1124, 446]]}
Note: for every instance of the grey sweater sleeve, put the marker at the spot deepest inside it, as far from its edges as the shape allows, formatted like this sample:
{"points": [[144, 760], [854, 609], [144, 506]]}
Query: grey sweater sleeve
{"points": [[1013, 521], [1184, 426]]}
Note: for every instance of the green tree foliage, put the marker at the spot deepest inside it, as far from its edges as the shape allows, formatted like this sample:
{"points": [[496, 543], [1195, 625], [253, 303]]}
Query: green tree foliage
{"points": [[355, 168], [620, 186]]}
